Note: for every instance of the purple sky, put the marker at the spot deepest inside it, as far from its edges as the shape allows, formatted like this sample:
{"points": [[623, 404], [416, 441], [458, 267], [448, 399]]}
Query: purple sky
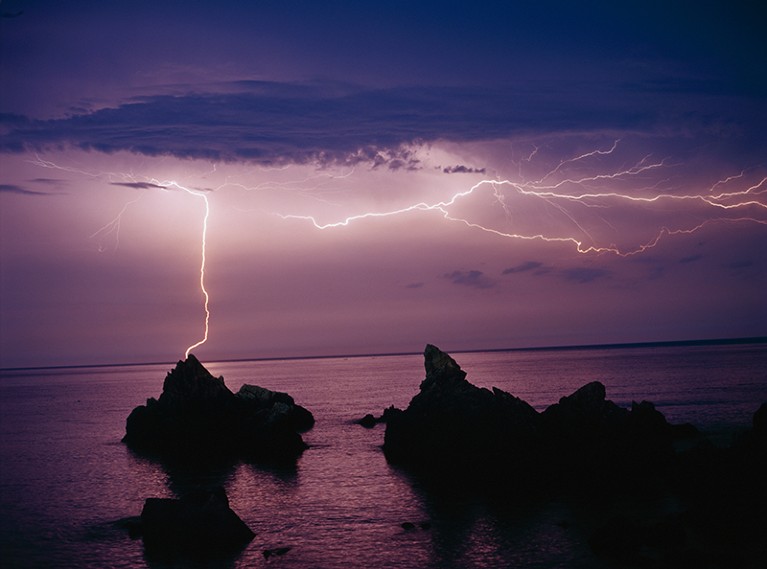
{"points": [[553, 173]]}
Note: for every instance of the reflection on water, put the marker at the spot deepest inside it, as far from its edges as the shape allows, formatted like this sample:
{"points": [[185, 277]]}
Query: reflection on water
{"points": [[65, 478]]}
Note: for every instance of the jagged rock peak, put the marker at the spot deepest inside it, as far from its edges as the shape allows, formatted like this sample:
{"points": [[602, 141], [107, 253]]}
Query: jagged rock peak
{"points": [[440, 365], [191, 381], [192, 368]]}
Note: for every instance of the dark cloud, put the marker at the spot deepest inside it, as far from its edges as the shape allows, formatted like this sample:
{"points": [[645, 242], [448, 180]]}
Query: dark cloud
{"points": [[277, 123], [476, 279], [139, 185], [461, 169], [14, 189], [522, 267], [690, 259], [49, 181], [585, 274], [736, 265], [414, 285]]}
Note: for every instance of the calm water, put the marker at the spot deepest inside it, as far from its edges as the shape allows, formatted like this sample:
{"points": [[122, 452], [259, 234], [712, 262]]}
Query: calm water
{"points": [[65, 478]]}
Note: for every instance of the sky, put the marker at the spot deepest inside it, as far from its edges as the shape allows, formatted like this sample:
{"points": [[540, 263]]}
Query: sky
{"points": [[369, 177]]}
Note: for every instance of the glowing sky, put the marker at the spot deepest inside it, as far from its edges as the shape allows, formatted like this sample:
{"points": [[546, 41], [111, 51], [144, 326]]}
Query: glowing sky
{"points": [[378, 176]]}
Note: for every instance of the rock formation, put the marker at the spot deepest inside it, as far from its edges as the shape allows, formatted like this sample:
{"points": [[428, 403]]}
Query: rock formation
{"points": [[197, 417], [587, 446], [454, 426], [200, 522]]}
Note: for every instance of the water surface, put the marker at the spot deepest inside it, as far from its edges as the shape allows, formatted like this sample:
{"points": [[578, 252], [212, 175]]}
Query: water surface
{"points": [[65, 478]]}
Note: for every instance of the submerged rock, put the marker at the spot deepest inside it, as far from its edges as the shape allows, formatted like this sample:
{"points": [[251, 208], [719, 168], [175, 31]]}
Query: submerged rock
{"points": [[201, 521], [198, 417], [369, 421], [277, 551]]}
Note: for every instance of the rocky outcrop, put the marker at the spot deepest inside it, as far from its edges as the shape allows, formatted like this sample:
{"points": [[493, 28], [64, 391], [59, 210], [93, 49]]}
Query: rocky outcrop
{"points": [[369, 421], [201, 521], [454, 426], [689, 505], [197, 417]]}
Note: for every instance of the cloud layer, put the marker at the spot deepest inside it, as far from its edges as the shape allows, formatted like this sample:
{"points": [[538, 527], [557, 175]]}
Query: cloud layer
{"points": [[279, 123]]}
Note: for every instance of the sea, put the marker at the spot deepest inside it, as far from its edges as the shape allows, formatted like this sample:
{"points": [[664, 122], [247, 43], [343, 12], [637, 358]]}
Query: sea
{"points": [[67, 483]]}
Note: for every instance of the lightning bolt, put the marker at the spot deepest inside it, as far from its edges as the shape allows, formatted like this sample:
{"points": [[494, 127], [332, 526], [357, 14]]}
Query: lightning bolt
{"points": [[559, 189], [203, 247], [113, 227], [553, 192]]}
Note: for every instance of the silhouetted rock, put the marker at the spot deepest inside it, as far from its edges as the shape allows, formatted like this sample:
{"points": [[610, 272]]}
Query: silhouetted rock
{"points": [[277, 551], [760, 425], [586, 446], [198, 417], [588, 436], [201, 521], [452, 423], [454, 426], [368, 421], [641, 542]]}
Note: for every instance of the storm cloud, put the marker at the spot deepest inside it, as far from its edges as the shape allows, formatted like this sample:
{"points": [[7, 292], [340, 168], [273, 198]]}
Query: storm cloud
{"points": [[280, 123]]}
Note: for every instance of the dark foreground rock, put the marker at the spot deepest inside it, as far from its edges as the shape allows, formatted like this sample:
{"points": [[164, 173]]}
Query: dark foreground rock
{"points": [[200, 522], [695, 505], [720, 520], [452, 424], [197, 417]]}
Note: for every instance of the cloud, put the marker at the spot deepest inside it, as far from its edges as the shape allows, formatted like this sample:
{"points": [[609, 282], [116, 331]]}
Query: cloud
{"points": [[139, 185], [576, 274], [522, 267], [744, 264], [49, 181], [461, 169], [278, 123], [476, 279], [414, 285], [585, 274], [14, 189], [690, 259]]}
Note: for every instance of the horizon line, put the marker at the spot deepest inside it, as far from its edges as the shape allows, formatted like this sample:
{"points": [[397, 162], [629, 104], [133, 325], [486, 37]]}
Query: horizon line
{"points": [[603, 346]]}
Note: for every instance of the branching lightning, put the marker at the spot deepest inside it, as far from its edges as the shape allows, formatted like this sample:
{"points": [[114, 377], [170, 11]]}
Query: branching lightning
{"points": [[113, 227], [580, 204], [553, 192]]}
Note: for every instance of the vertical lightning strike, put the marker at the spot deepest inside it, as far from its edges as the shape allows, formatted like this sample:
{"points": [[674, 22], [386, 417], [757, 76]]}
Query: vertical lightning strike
{"points": [[112, 228], [560, 189], [203, 247]]}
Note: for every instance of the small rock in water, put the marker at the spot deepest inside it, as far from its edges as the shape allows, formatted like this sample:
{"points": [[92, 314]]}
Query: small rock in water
{"points": [[199, 521], [276, 551], [368, 421]]}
